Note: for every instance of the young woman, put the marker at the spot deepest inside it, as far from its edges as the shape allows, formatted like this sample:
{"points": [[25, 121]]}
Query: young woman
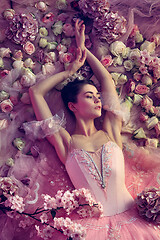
{"points": [[93, 158]]}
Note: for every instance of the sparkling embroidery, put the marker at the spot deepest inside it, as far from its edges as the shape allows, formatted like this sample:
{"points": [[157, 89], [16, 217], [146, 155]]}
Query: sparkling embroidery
{"points": [[105, 167]]}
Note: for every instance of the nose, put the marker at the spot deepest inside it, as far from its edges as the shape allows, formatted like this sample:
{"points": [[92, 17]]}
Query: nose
{"points": [[96, 99]]}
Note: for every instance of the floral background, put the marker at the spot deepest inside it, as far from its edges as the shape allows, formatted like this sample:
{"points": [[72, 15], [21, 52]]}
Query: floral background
{"points": [[37, 41]]}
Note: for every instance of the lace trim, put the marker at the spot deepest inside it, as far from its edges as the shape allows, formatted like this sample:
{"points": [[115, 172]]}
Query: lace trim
{"points": [[93, 169], [41, 129]]}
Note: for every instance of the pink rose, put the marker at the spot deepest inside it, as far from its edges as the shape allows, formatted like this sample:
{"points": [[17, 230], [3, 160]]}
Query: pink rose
{"points": [[156, 39], [146, 103], [5, 52], [29, 48], [4, 73], [143, 69], [28, 79], [137, 76], [49, 17], [17, 55], [141, 89], [9, 14], [61, 48], [6, 106], [63, 17], [14, 100], [143, 117], [130, 86], [50, 57], [68, 30], [107, 61], [3, 124], [65, 57]]}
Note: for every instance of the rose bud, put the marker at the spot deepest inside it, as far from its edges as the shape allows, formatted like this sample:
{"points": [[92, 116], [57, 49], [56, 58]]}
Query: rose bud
{"points": [[5, 52], [147, 80], [146, 103], [157, 129], [141, 89], [65, 57], [61, 4], [43, 32], [3, 95], [139, 134], [10, 162], [149, 46], [3, 124], [9, 14], [6, 106], [17, 55], [68, 30], [143, 117], [29, 48], [43, 42], [152, 142], [61, 48], [130, 86], [28, 79], [137, 99], [41, 6], [151, 122], [19, 143], [28, 63], [51, 45], [138, 38]]}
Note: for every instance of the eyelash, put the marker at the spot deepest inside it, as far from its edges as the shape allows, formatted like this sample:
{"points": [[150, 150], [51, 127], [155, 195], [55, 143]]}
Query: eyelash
{"points": [[92, 97]]}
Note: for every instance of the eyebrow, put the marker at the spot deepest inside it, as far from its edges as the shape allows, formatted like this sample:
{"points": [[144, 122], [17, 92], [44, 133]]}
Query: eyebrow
{"points": [[98, 93]]}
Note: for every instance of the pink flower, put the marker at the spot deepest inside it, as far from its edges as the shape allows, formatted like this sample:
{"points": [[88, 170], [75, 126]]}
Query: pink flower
{"points": [[14, 100], [4, 73], [28, 79], [143, 117], [28, 63], [141, 89], [6, 106], [9, 14], [3, 124], [107, 61], [143, 69], [15, 203], [61, 48], [41, 6], [62, 17], [134, 31], [17, 55], [44, 218], [49, 17], [29, 48], [5, 52], [65, 57], [50, 57], [156, 39], [68, 30], [130, 86], [137, 76], [146, 103]]}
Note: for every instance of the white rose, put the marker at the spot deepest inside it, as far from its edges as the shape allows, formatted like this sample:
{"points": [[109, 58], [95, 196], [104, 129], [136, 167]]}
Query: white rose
{"points": [[52, 45], [147, 80], [117, 61], [10, 162], [134, 54], [43, 42], [128, 64], [115, 77], [151, 122], [28, 63], [28, 78], [50, 57], [149, 46], [122, 79], [57, 28], [17, 64], [139, 37], [43, 32], [118, 48]]}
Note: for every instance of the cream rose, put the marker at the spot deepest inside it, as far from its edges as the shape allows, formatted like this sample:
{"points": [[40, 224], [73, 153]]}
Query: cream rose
{"points": [[118, 48], [57, 28], [29, 48], [19, 143], [28, 79], [18, 64], [3, 124], [28, 63], [52, 45], [43, 42], [9, 14], [41, 6], [5, 52], [43, 32], [17, 55], [3, 95], [128, 64], [61, 4], [149, 46], [134, 54]]}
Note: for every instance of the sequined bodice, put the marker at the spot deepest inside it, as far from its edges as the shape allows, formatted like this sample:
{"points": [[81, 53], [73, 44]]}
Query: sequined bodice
{"points": [[107, 182]]}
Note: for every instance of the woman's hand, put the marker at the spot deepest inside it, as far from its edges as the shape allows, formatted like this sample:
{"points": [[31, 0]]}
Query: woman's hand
{"points": [[80, 34], [78, 62]]}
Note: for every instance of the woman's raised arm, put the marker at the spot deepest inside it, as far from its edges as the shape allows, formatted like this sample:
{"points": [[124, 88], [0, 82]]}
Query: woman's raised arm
{"points": [[112, 123]]}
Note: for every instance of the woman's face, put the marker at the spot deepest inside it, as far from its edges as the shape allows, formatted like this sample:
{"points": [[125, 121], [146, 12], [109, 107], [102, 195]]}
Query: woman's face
{"points": [[88, 104]]}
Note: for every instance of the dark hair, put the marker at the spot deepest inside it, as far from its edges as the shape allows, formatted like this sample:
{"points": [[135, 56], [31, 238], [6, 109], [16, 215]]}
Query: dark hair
{"points": [[72, 89]]}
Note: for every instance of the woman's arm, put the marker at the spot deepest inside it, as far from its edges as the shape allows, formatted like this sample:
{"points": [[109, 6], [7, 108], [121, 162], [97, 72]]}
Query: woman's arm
{"points": [[61, 139], [112, 123]]}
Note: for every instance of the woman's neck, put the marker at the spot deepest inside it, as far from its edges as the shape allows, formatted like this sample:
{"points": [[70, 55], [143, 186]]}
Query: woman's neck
{"points": [[86, 128]]}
